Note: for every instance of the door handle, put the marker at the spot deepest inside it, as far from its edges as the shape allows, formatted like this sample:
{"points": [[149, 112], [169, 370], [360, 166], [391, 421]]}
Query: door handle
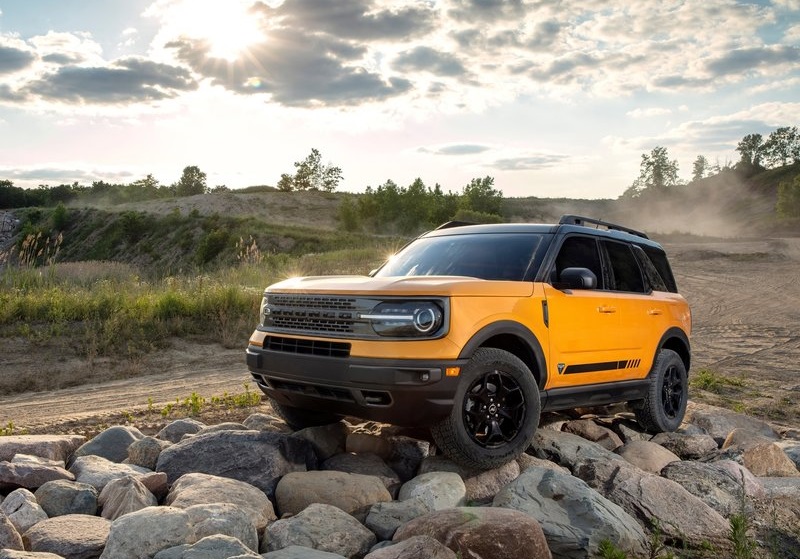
{"points": [[606, 310], [655, 312]]}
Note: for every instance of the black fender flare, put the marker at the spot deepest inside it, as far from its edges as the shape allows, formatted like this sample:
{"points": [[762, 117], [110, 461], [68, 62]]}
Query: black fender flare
{"points": [[520, 331], [675, 333]]}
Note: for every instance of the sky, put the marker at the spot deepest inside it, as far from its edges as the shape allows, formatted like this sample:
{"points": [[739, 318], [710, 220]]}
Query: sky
{"points": [[551, 98]]}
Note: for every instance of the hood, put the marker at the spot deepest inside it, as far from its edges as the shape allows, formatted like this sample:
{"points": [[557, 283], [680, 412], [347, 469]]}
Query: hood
{"points": [[403, 286]]}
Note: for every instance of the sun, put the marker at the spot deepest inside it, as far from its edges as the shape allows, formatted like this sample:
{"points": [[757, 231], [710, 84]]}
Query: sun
{"points": [[228, 27]]}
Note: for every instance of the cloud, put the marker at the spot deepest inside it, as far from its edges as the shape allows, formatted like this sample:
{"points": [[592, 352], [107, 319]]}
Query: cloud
{"points": [[739, 61], [426, 59], [647, 113], [126, 80], [455, 149], [63, 175], [531, 162], [13, 59]]}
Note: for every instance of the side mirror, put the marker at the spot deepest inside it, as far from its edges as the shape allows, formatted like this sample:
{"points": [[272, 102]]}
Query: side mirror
{"points": [[577, 278]]}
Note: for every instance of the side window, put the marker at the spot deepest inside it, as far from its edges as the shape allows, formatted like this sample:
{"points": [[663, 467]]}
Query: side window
{"points": [[579, 252], [654, 279], [659, 260], [625, 269]]}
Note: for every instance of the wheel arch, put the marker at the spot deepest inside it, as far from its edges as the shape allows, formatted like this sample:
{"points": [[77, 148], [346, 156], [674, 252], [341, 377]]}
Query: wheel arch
{"points": [[515, 338], [676, 340]]}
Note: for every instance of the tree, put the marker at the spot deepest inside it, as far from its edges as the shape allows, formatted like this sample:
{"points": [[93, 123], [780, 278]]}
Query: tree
{"points": [[480, 196], [789, 198], [192, 181], [782, 147], [656, 173], [699, 168], [312, 174], [751, 148]]}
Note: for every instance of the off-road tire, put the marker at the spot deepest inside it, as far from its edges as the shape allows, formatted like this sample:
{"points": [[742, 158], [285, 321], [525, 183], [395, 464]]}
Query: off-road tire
{"points": [[664, 406], [498, 392], [298, 418]]}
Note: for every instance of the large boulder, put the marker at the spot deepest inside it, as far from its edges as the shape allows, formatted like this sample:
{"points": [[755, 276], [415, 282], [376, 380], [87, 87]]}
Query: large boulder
{"points": [[142, 534], [30, 475], [647, 456], [353, 493], [686, 446], [682, 517], [300, 552], [111, 444], [201, 489], [76, 536], [719, 422], [173, 432], [217, 546], [98, 471], [481, 532], [416, 547], [322, 527], [406, 455], [327, 440], [438, 490], [574, 517], [145, 452], [481, 485], [52, 447], [223, 519], [714, 486], [62, 497], [123, 496], [568, 450], [385, 518], [22, 510], [259, 458], [9, 537], [591, 431], [367, 464]]}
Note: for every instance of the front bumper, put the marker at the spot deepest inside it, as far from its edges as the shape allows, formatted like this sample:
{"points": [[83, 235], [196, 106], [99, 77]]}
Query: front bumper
{"points": [[405, 392]]}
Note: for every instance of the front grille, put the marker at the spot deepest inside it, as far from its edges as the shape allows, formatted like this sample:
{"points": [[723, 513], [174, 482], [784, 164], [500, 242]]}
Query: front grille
{"points": [[307, 347], [322, 315], [312, 324], [312, 301]]}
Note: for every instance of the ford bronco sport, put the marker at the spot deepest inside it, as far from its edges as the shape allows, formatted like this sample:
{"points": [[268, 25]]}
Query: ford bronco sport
{"points": [[474, 330]]}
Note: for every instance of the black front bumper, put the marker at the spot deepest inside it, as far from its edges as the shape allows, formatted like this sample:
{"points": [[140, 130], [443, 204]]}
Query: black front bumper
{"points": [[405, 392]]}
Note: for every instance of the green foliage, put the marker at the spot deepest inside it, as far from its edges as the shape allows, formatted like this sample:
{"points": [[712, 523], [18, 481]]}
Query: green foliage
{"points": [[657, 173], [480, 196], [712, 381], [699, 168], [751, 150], [192, 181], [788, 204], [472, 216], [134, 225], [60, 217], [782, 147], [211, 245], [740, 524], [311, 174], [607, 550]]}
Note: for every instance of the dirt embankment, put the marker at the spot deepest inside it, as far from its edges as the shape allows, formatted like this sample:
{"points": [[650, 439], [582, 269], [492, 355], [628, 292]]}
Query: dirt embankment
{"points": [[745, 296]]}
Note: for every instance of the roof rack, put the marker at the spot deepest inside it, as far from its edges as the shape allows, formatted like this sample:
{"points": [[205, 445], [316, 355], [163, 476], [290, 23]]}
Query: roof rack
{"points": [[450, 224], [580, 220]]}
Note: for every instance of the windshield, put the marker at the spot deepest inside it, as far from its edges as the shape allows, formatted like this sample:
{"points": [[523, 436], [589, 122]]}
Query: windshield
{"points": [[490, 256]]}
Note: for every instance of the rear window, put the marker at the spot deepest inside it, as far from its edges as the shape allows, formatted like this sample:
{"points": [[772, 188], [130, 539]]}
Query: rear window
{"points": [[489, 256]]}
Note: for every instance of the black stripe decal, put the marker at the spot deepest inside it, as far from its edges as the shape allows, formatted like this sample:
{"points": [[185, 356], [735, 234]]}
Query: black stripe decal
{"points": [[596, 367]]}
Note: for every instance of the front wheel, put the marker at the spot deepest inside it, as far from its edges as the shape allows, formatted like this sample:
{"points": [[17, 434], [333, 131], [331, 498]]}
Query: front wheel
{"points": [[495, 412], [664, 406]]}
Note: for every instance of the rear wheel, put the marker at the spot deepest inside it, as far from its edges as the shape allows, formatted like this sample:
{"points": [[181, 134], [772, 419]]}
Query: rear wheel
{"points": [[495, 413], [298, 418], [665, 404]]}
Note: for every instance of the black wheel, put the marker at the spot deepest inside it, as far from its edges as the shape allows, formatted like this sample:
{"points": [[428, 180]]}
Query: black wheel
{"points": [[298, 418], [665, 404], [495, 412]]}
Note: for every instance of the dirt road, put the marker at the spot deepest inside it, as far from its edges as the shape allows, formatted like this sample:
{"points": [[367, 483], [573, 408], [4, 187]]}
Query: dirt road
{"points": [[745, 296]]}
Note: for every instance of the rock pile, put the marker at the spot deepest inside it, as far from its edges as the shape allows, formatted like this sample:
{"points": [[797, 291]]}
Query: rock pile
{"points": [[368, 491]]}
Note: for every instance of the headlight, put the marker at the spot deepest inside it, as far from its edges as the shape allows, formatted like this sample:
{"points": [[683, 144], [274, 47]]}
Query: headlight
{"points": [[264, 310], [405, 319]]}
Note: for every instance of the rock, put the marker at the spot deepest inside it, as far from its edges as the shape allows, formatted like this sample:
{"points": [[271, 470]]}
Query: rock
{"points": [[76, 536], [752, 486], [568, 450], [406, 455], [300, 552], [438, 490], [775, 487], [22, 509], [266, 422], [29, 475], [141, 534], [98, 471], [174, 431], [145, 452], [52, 447], [385, 518], [123, 496], [353, 493], [12, 554], [645, 496], [31, 459], [9, 537], [768, 460], [416, 547], [719, 422], [156, 483], [591, 431], [200, 489], [227, 426], [367, 464], [112, 444], [211, 547], [327, 440], [481, 532], [792, 450], [741, 439], [364, 443], [647, 456], [712, 485], [687, 447], [61, 497], [322, 527], [574, 517], [481, 486], [259, 458], [629, 430], [526, 461], [225, 519]]}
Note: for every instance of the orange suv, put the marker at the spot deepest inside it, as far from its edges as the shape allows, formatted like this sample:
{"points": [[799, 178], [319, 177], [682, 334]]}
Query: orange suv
{"points": [[474, 330]]}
